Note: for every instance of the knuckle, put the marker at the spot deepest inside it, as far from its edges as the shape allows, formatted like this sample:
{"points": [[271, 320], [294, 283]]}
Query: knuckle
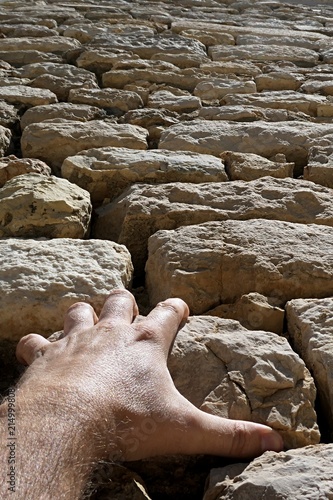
{"points": [[240, 441], [145, 332]]}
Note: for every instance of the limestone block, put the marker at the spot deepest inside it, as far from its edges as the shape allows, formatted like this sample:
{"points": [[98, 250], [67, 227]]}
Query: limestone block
{"points": [[279, 99], [293, 139], [247, 166], [52, 141], [26, 30], [107, 172], [146, 46], [22, 57], [20, 94], [247, 375], [65, 71], [182, 60], [209, 39], [62, 86], [8, 114], [298, 474], [218, 262], [310, 329], [40, 279], [144, 209], [254, 311], [63, 111], [10, 167], [102, 59], [318, 87], [150, 117], [264, 53], [278, 80], [234, 67], [291, 40], [249, 113], [167, 100], [216, 88], [34, 205], [45, 44], [320, 166], [115, 101], [5, 139]]}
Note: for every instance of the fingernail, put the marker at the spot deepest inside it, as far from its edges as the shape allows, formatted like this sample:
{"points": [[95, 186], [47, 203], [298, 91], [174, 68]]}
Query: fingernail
{"points": [[272, 441]]}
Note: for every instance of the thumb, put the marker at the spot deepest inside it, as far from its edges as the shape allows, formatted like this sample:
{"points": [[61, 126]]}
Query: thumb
{"points": [[214, 435]]}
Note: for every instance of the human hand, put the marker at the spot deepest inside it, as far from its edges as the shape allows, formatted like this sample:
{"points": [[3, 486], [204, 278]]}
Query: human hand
{"points": [[113, 369]]}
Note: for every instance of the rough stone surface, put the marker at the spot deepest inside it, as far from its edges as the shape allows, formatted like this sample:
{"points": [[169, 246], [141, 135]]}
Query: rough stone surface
{"points": [[115, 101], [310, 327], [218, 262], [54, 140], [320, 166], [11, 166], [62, 111], [142, 210], [5, 138], [34, 205], [245, 375], [20, 94], [107, 172], [40, 279], [301, 474], [246, 167], [254, 311], [265, 139], [167, 100], [218, 88], [8, 114]]}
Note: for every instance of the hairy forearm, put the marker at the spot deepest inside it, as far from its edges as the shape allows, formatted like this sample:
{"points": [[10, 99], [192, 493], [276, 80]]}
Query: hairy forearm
{"points": [[48, 451]]}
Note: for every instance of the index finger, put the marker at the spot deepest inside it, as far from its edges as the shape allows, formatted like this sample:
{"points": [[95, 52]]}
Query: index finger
{"points": [[163, 322]]}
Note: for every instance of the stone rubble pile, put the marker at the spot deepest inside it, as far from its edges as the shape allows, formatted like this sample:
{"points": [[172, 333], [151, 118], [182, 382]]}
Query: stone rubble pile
{"points": [[181, 148]]}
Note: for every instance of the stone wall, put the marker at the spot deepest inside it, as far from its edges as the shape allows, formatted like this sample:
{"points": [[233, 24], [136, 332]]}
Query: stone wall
{"points": [[181, 148]]}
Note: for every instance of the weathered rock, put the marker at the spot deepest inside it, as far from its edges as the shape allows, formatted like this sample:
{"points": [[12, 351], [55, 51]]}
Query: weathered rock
{"points": [[11, 166], [24, 30], [247, 375], [285, 99], [20, 94], [301, 474], [182, 60], [167, 100], [5, 138], [318, 87], [63, 111], [40, 279], [217, 88], [262, 138], [21, 57], [52, 141], [291, 40], [57, 44], [147, 46], [234, 67], [218, 262], [246, 167], [107, 172], [311, 332], [320, 166], [102, 59], [8, 114], [278, 80], [264, 53], [209, 39], [249, 114], [254, 311], [35, 205], [144, 209], [114, 101]]}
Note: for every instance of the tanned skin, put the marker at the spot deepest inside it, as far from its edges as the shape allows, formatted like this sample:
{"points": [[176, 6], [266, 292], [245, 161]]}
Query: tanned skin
{"points": [[103, 391]]}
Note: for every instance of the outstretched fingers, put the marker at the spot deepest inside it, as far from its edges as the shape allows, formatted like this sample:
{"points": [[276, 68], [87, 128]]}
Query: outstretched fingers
{"points": [[119, 309], [79, 317]]}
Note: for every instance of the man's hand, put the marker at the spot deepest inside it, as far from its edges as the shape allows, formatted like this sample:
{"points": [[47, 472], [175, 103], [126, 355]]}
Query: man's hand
{"points": [[114, 369], [103, 391]]}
